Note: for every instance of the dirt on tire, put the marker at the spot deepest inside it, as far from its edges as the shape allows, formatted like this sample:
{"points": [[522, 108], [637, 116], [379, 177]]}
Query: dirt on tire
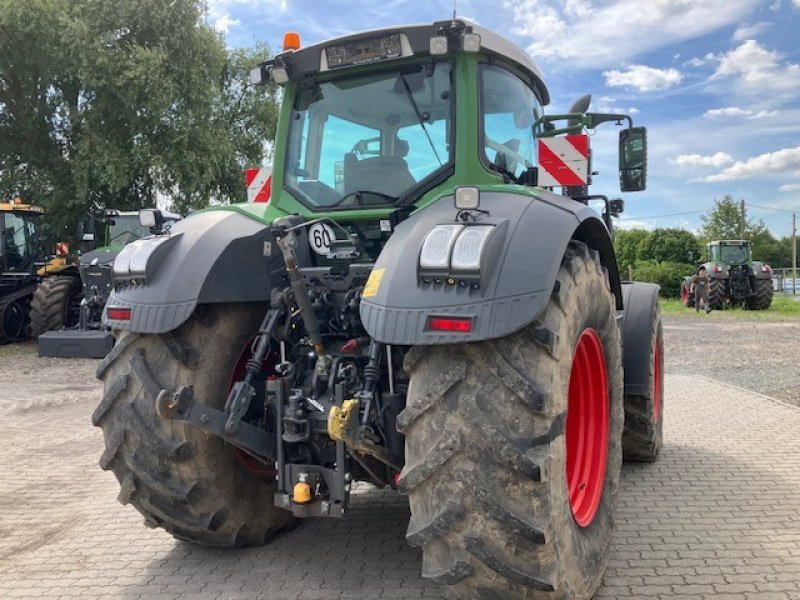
{"points": [[50, 303], [486, 455], [187, 482]]}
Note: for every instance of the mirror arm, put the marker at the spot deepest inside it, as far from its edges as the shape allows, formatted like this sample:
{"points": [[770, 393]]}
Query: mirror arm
{"points": [[596, 119]]}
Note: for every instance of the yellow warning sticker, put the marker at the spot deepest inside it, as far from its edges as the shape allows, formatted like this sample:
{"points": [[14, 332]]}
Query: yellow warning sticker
{"points": [[373, 283]]}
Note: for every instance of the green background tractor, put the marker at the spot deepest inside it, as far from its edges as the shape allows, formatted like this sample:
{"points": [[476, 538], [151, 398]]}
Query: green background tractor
{"points": [[735, 278], [67, 307], [411, 309]]}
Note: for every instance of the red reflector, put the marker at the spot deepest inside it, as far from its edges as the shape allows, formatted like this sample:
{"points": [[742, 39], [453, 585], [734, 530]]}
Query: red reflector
{"points": [[119, 314], [450, 324]]}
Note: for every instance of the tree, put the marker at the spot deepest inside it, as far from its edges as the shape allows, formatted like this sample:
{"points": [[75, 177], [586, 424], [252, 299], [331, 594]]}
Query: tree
{"points": [[723, 222], [114, 104], [670, 245], [626, 245]]}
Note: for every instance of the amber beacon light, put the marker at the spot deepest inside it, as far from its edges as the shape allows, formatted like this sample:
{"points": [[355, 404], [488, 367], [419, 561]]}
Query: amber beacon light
{"points": [[291, 41]]}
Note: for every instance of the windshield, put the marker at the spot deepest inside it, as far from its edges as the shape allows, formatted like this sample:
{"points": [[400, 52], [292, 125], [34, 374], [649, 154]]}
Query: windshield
{"points": [[735, 255], [123, 229], [367, 141]]}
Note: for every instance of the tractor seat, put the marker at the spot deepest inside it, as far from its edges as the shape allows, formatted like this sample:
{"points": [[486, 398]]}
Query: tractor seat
{"points": [[384, 174]]}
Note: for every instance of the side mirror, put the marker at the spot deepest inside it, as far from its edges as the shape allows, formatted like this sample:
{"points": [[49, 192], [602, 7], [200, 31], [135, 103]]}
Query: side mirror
{"points": [[86, 230], [633, 159], [151, 218], [616, 207]]}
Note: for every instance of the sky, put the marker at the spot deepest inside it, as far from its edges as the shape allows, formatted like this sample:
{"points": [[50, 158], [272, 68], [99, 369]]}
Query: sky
{"points": [[716, 83]]}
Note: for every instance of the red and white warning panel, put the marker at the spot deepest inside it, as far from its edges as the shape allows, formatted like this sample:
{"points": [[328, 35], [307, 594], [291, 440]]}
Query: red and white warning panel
{"points": [[564, 161], [62, 249], [258, 182]]}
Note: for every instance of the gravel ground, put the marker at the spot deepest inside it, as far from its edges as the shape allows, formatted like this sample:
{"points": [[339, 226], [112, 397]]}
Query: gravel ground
{"points": [[756, 355]]}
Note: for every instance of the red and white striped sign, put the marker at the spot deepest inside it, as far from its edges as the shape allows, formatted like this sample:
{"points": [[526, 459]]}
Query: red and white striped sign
{"points": [[258, 182], [564, 161], [62, 248]]}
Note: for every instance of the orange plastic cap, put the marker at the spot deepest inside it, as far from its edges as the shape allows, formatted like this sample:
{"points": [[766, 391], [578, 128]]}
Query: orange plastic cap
{"points": [[291, 41]]}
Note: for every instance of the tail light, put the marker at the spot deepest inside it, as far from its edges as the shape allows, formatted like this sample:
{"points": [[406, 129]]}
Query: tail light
{"points": [[117, 313], [451, 324]]}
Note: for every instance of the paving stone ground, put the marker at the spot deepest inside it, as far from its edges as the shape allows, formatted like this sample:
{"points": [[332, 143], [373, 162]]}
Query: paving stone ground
{"points": [[717, 517]]}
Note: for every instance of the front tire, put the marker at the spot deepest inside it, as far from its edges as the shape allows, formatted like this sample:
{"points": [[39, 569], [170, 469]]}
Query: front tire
{"points": [[643, 435], [181, 479], [502, 502], [54, 303]]}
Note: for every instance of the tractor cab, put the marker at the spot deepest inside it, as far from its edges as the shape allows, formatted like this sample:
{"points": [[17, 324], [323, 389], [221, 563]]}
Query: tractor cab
{"points": [[19, 239], [730, 252], [398, 118]]}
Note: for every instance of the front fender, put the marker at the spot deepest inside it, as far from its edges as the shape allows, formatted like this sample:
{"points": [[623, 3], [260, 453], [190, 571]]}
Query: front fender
{"points": [[516, 288], [220, 256]]}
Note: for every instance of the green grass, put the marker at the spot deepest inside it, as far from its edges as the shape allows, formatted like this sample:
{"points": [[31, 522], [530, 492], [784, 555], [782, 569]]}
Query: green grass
{"points": [[783, 308]]}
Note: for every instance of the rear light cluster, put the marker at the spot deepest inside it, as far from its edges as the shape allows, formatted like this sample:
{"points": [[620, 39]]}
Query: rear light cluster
{"points": [[115, 313], [450, 324]]}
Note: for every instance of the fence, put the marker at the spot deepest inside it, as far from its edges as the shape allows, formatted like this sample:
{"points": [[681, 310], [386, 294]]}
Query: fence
{"points": [[782, 281]]}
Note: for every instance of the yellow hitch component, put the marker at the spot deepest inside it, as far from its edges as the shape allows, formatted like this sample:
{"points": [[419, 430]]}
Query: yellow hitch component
{"points": [[56, 264], [340, 419], [302, 493]]}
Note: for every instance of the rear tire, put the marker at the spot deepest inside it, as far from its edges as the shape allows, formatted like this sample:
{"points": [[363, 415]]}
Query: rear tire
{"points": [[181, 479], [716, 294], [762, 298], [486, 451], [50, 306], [643, 436], [686, 297]]}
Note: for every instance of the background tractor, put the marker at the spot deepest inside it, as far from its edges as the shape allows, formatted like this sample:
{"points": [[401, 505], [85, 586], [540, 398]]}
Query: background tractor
{"points": [[19, 261], [736, 279], [67, 306], [415, 307]]}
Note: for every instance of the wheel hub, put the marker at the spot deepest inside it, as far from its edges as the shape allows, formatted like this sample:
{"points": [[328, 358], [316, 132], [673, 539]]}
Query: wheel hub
{"points": [[587, 427]]}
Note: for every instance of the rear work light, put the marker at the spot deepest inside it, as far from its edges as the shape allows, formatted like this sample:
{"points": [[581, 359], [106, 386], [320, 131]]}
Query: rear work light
{"points": [[454, 324], [118, 314]]}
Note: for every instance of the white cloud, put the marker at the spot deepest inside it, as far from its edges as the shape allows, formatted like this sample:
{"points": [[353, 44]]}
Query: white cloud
{"points": [[629, 223], [607, 104], [747, 32], [790, 187], [219, 12], [224, 22], [786, 159], [719, 159], [757, 69], [643, 78], [734, 112], [587, 33]]}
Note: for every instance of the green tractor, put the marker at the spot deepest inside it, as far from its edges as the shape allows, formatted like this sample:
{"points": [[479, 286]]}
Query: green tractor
{"points": [[736, 279], [415, 307], [67, 307]]}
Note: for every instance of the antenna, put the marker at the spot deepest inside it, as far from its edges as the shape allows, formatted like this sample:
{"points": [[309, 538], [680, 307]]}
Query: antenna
{"points": [[455, 6]]}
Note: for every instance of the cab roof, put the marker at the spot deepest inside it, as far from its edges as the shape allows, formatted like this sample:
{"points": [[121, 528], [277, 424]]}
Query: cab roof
{"points": [[311, 59], [19, 207]]}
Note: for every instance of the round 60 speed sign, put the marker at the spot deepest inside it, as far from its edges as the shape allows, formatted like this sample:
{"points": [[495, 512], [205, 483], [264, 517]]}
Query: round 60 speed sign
{"points": [[320, 236]]}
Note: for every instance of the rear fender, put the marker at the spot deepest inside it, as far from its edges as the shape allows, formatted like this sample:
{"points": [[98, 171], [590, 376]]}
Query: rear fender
{"points": [[217, 256], [515, 285]]}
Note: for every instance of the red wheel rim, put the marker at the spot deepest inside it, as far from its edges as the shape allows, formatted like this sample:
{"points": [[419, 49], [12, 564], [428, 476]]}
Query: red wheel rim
{"points": [[657, 381], [684, 294], [587, 427], [248, 461]]}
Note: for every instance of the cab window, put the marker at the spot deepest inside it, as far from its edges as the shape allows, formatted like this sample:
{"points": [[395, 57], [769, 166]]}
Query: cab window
{"points": [[509, 109]]}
